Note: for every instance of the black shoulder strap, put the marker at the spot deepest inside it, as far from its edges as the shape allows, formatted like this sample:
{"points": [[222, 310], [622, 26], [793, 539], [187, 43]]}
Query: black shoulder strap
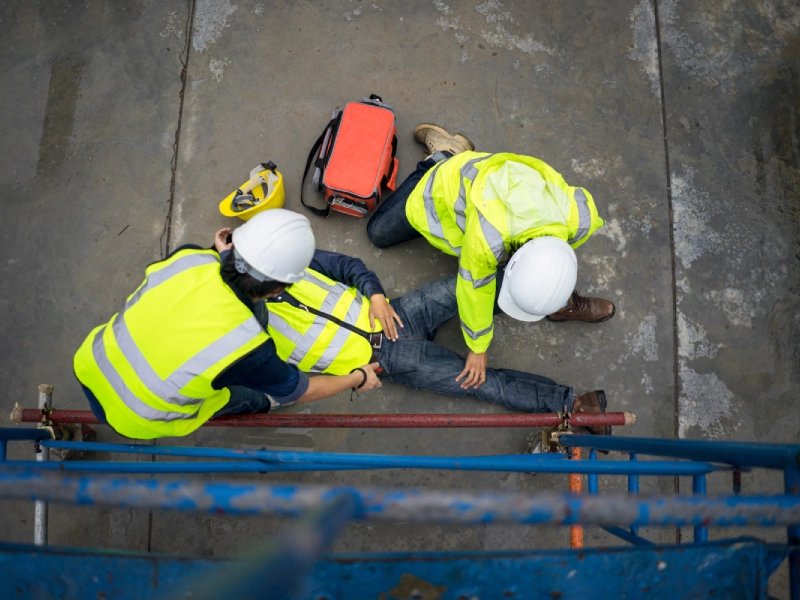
{"points": [[320, 212], [319, 313]]}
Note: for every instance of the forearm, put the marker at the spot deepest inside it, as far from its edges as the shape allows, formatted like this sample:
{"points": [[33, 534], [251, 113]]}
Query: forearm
{"points": [[476, 313], [325, 386], [348, 270]]}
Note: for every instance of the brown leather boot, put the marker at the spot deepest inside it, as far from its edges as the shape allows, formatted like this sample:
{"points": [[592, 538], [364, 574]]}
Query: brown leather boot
{"points": [[583, 308], [438, 139], [592, 403]]}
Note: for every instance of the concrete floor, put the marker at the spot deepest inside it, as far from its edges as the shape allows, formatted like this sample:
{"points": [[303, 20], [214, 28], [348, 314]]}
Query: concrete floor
{"points": [[106, 106]]}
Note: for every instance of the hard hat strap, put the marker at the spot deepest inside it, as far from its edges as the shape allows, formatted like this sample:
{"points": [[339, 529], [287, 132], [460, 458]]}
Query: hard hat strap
{"points": [[243, 267]]}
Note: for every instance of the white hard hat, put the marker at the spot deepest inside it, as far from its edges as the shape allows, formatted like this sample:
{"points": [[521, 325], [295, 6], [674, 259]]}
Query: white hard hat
{"points": [[275, 245], [539, 279]]}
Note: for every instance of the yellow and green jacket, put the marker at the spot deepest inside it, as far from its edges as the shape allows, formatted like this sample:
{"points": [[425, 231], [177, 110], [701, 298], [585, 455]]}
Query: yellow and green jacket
{"points": [[481, 208], [312, 342], [152, 366]]}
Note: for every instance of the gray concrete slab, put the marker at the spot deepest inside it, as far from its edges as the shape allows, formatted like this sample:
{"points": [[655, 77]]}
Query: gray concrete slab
{"points": [[515, 77], [88, 114], [732, 94]]}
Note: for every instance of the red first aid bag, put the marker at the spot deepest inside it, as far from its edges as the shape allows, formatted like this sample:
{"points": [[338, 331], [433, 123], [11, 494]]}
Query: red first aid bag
{"points": [[355, 158]]}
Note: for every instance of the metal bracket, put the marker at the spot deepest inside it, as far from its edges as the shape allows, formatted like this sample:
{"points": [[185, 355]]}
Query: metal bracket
{"points": [[46, 412], [551, 436]]}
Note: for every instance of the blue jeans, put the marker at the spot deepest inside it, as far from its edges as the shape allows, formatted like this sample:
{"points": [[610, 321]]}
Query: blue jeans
{"points": [[423, 312], [389, 225]]}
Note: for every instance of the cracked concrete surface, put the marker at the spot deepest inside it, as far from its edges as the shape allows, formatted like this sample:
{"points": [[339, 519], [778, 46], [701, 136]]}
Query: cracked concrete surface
{"points": [[92, 103]]}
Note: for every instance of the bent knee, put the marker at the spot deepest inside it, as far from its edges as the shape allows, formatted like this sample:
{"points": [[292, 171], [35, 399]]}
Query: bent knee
{"points": [[376, 238]]}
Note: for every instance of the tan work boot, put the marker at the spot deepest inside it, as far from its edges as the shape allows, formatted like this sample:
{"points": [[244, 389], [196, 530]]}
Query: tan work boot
{"points": [[583, 308], [592, 403], [437, 139]]}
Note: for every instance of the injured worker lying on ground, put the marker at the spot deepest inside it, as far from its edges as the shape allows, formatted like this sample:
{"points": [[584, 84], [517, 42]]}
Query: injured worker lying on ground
{"points": [[330, 322], [208, 331]]}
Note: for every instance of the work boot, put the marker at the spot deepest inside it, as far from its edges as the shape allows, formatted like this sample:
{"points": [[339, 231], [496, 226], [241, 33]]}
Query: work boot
{"points": [[437, 139], [592, 403], [583, 308]]}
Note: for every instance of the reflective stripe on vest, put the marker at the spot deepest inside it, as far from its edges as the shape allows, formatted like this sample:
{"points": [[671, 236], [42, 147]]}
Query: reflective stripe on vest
{"points": [[125, 366], [584, 216], [128, 397], [475, 334], [306, 343], [336, 345], [434, 223], [490, 232], [180, 265], [476, 283], [494, 239], [469, 171], [167, 389]]}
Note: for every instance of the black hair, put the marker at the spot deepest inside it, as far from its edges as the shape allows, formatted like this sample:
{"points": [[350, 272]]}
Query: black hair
{"points": [[247, 284]]}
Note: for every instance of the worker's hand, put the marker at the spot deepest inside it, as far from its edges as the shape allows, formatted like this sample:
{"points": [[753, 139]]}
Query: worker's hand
{"points": [[220, 240], [474, 371], [380, 309], [372, 381]]}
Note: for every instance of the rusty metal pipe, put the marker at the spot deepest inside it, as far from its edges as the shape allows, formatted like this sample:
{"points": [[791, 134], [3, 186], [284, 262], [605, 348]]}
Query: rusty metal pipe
{"points": [[33, 415]]}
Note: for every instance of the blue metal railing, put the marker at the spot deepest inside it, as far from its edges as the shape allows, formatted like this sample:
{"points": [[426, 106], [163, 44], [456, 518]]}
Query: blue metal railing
{"points": [[35, 480]]}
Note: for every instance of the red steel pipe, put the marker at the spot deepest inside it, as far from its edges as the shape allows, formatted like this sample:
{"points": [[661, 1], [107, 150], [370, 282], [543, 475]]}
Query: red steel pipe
{"points": [[33, 415]]}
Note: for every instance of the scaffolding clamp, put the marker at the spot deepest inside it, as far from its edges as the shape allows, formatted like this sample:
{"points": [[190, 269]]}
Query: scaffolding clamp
{"points": [[552, 435]]}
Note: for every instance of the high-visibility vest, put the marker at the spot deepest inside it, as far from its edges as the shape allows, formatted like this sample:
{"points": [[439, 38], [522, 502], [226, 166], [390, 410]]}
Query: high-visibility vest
{"points": [[314, 343], [481, 207], [151, 367]]}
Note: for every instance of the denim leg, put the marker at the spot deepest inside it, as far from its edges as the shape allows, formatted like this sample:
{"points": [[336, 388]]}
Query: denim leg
{"points": [[389, 225], [424, 310], [244, 400], [437, 368]]}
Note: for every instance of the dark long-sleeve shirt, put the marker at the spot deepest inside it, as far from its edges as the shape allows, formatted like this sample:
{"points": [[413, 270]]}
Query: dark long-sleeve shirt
{"points": [[348, 270]]}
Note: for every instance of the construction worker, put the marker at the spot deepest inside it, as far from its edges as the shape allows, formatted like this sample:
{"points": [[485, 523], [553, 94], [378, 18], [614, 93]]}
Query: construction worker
{"points": [[190, 342], [337, 318], [491, 211]]}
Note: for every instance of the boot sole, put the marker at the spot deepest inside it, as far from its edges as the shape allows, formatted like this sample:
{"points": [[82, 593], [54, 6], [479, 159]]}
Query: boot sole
{"points": [[420, 137], [603, 320], [601, 396]]}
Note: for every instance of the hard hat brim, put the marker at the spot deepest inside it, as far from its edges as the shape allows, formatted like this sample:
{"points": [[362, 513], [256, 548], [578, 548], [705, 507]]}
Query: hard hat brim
{"points": [[507, 305]]}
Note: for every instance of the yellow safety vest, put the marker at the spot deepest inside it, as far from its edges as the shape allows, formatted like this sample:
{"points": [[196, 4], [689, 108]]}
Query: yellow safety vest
{"points": [[316, 344], [152, 365], [481, 208]]}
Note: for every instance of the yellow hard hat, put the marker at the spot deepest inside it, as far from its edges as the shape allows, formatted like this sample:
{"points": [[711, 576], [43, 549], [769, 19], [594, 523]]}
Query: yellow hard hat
{"points": [[264, 190]]}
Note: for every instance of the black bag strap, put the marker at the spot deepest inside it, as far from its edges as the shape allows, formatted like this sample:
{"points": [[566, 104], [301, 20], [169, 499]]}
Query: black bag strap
{"points": [[391, 164], [333, 125], [296, 303], [388, 175]]}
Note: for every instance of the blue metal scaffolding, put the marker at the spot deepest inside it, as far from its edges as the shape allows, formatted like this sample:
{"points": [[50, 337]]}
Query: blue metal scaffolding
{"points": [[294, 563]]}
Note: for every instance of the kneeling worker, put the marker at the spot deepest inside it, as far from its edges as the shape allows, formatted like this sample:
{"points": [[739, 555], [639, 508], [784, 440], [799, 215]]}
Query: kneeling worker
{"points": [[495, 212], [190, 341], [336, 318]]}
